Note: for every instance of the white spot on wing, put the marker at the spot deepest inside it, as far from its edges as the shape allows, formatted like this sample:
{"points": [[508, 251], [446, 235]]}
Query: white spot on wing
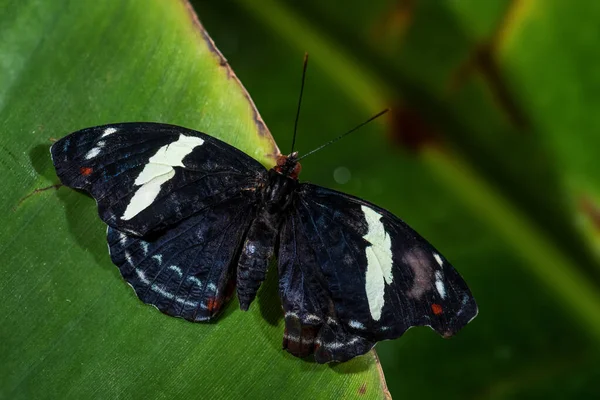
{"points": [[142, 276], [356, 325], [176, 269], [438, 259], [158, 171], [128, 257], [95, 151], [339, 345], [379, 262], [158, 258], [195, 280], [291, 314], [173, 154], [161, 291], [152, 171], [108, 131], [439, 285], [92, 153], [295, 338], [145, 195], [312, 318]]}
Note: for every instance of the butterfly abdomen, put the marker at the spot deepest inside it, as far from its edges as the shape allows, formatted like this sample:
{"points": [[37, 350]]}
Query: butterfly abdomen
{"points": [[257, 251], [259, 245]]}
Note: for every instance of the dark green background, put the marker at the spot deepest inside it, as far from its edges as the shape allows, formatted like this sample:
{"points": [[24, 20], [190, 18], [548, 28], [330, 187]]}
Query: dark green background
{"points": [[491, 153]]}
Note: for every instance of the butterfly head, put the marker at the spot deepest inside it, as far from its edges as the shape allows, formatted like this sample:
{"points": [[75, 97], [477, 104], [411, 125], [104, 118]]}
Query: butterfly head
{"points": [[288, 165]]}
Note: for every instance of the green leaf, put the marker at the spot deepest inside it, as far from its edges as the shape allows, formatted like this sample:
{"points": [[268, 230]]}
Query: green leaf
{"points": [[501, 97], [547, 52], [71, 327]]}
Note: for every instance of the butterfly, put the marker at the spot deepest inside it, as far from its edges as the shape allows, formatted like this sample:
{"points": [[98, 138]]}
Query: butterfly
{"points": [[192, 219]]}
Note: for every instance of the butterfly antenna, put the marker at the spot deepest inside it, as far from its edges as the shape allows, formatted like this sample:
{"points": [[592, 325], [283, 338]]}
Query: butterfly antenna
{"points": [[345, 134], [300, 100]]}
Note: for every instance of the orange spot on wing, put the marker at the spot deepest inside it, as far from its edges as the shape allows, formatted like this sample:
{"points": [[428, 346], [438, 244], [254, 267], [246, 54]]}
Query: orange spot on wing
{"points": [[85, 171], [436, 308], [212, 304]]}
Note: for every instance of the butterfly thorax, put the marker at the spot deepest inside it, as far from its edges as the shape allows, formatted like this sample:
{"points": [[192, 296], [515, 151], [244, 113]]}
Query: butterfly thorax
{"points": [[278, 194]]}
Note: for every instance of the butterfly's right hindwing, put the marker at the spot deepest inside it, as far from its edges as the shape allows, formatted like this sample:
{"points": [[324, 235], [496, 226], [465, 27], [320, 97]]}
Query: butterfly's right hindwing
{"points": [[188, 270], [147, 176]]}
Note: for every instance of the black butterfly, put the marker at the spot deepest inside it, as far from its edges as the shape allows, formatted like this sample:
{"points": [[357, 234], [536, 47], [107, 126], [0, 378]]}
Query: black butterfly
{"points": [[191, 217]]}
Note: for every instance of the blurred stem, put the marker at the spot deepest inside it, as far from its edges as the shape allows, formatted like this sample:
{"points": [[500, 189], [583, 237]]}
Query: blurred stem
{"points": [[549, 263]]}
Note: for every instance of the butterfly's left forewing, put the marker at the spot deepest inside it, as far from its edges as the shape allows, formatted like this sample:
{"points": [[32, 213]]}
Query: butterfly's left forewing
{"points": [[146, 176], [352, 274]]}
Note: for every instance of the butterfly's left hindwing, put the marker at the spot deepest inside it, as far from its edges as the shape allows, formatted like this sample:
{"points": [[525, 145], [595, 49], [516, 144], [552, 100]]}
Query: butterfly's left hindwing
{"points": [[352, 274], [188, 270], [147, 176]]}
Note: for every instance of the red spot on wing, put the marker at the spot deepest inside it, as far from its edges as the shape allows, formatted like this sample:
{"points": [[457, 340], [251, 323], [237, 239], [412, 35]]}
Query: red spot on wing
{"points": [[436, 308], [212, 304], [85, 171]]}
